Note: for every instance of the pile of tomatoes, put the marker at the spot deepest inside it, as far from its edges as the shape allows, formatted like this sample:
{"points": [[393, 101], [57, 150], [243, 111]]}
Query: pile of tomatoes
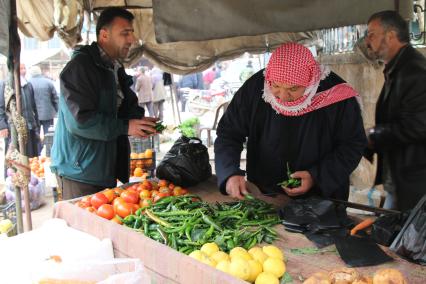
{"points": [[117, 203]]}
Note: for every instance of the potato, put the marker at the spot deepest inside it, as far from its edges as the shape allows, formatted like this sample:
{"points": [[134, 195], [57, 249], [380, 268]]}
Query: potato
{"points": [[318, 278], [388, 276], [343, 275]]}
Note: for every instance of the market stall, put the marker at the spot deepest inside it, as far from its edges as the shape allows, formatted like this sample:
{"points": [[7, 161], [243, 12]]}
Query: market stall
{"points": [[166, 265]]}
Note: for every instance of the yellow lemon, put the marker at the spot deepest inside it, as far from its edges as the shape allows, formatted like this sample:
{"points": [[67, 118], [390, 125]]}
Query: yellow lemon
{"points": [[266, 278], [239, 252], [224, 265], [207, 260], [273, 251], [209, 248], [258, 254], [275, 266], [197, 254], [219, 256], [255, 269], [240, 268]]}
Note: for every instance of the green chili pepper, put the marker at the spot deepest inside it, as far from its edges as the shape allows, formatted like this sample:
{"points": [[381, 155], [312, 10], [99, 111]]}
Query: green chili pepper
{"points": [[159, 127], [209, 221], [157, 219], [291, 182], [137, 224]]}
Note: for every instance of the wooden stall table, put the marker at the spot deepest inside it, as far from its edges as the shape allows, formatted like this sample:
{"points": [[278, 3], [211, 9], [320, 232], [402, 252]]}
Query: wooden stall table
{"points": [[166, 265]]}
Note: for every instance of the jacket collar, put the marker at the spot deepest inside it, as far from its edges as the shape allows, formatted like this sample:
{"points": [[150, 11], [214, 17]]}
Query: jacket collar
{"points": [[93, 51], [397, 61]]}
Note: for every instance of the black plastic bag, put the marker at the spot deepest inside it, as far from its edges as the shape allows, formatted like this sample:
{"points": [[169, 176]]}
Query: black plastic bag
{"points": [[186, 164], [411, 241], [387, 227]]}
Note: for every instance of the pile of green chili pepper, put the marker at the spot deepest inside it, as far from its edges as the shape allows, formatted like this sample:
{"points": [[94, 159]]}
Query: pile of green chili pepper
{"points": [[185, 223], [291, 182]]}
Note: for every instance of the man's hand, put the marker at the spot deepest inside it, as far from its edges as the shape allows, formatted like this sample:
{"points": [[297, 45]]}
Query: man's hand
{"points": [[142, 127], [236, 187], [307, 183], [4, 133]]}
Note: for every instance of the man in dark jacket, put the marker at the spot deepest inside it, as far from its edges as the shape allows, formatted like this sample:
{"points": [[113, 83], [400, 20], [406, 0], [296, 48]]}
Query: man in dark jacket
{"points": [[295, 112], [97, 111], [29, 112], [46, 98], [399, 136]]}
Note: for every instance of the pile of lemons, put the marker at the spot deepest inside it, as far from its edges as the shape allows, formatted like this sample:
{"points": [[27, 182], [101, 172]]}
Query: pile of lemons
{"points": [[259, 265]]}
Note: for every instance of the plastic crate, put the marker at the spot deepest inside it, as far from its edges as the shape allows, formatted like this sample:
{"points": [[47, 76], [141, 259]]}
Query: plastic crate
{"points": [[8, 211], [147, 164], [138, 145]]}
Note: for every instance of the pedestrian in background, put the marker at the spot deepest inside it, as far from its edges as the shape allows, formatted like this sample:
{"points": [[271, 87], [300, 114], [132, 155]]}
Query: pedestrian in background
{"points": [[46, 98], [143, 89], [158, 91]]}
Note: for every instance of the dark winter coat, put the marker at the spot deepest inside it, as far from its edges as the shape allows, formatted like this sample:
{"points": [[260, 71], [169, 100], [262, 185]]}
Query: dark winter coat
{"points": [[328, 142], [400, 131], [91, 144], [46, 98]]}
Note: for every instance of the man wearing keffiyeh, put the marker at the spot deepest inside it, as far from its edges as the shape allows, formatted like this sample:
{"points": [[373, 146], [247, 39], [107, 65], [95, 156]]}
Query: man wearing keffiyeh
{"points": [[296, 112]]}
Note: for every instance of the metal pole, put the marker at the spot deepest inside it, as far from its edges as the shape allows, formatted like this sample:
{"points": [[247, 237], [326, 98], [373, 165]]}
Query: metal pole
{"points": [[15, 47], [174, 98]]}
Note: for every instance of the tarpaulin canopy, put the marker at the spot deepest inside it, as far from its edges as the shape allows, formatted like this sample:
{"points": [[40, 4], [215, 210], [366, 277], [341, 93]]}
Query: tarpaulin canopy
{"points": [[183, 36]]}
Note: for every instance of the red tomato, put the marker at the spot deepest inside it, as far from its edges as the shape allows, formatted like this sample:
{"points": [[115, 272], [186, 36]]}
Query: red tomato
{"points": [[86, 199], [130, 196], [106, 211], [171, 186], [110, 194], [117, 201], [154, 193], [145, 202], [163, 182], [177, 191], [83, 204], [124, 209], [163, 194], [184, 191], [98, 199], [91, 209], [164, 189], [117, 220], [147, 184], [118, 191], [145, 194], [135, 207]]}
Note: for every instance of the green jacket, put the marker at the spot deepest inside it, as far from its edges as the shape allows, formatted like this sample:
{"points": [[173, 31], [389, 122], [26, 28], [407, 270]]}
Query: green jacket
{"points": [[91, 143]]}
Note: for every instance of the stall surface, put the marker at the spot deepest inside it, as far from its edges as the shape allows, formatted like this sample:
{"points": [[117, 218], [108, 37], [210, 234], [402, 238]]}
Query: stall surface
{"points": [[169, 266]]}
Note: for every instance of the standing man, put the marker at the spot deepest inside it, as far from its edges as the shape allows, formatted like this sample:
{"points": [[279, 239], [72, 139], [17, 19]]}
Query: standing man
{"points": [[399, 136], [143, 89], [46, 98], [97, 111], [158, 92]]}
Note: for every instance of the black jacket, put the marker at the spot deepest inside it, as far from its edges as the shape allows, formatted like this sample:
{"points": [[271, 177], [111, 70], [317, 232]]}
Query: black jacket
{"points": [[327, 142], [46, 98], [400, 131], [29, 109]]}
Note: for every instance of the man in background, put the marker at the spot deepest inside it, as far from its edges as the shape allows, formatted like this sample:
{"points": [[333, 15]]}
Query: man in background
{"points": [[399, 136], [46, 98]]}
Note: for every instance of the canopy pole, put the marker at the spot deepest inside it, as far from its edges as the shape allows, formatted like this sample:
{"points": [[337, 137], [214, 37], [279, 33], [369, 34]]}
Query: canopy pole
{"points": [[15, 49]]}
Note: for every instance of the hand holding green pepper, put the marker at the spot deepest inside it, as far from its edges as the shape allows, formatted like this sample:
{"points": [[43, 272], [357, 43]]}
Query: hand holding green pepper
{"points": [[291, 182], [159, 127]]}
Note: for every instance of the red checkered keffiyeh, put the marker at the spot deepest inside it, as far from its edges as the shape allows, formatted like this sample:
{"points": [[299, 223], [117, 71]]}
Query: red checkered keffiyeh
{"points": [[294, 64]]}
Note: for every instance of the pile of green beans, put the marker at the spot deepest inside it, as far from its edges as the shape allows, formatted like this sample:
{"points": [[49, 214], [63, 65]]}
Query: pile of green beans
{"points": [[185, 223]]}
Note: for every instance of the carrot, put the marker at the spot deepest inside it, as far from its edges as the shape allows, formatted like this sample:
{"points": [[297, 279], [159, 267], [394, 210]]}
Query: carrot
{"points": [[361, 226]]}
